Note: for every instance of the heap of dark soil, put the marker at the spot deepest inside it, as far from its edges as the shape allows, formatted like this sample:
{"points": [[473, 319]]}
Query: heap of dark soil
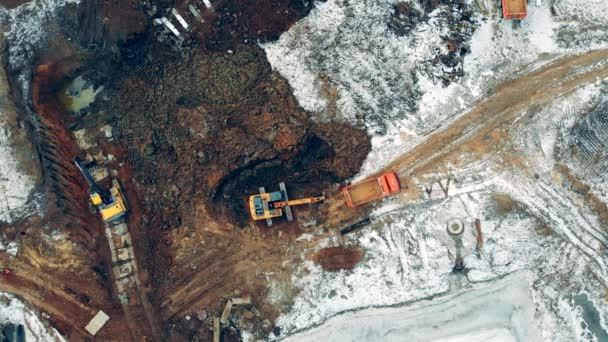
{"points": [[217, 126], [12, 3], [334, 259]]}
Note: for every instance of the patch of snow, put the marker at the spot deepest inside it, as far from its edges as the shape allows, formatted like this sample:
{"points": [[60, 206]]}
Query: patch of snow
{"points": [[584, 10], [13, 310], [541, 22], [348, 46], [15, 185]]}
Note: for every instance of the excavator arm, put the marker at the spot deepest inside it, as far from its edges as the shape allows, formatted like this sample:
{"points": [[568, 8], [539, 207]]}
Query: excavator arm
{"points": [[97, 192], [299, 201]]}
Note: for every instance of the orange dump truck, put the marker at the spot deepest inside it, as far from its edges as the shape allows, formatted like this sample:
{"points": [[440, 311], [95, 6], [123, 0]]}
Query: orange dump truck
{"points": [[372, 189], [514, 9]]}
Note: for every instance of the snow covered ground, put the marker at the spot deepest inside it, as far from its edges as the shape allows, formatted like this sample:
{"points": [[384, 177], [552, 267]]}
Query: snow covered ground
{"points": [[15, 185], [529, 223], [508, 307], [343, 62], [13, 310], [532, 218], [25, 28]]}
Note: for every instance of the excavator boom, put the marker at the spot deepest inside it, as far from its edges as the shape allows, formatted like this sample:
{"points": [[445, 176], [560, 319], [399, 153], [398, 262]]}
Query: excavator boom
{"points": [[299, 201], [106, 197]]}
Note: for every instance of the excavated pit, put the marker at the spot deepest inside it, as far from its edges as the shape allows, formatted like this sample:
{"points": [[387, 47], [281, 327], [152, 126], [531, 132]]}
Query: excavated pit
{"points": [[303, 179], [198, 126]]}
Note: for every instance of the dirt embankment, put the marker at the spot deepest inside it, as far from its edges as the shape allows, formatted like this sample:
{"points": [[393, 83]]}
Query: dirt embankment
{"points": [[12, 3], [195, 133], [62, 266], [205, 132], [338, 258]]}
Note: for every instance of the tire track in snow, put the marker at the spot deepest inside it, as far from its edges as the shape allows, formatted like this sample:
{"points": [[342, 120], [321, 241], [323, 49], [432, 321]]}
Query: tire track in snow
{"points": [[540, 202]]}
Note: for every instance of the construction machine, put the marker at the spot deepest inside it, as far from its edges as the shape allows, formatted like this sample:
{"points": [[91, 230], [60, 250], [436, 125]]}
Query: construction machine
{"points": [[266, 206], [372, 189], [111, 204]]}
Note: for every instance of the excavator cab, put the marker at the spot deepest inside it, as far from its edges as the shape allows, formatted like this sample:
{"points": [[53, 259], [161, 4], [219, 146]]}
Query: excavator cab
{"points": [[111, 204]]}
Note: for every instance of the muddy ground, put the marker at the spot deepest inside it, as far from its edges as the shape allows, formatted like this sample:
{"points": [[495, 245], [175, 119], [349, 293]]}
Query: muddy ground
{"points": [[194, 132]]}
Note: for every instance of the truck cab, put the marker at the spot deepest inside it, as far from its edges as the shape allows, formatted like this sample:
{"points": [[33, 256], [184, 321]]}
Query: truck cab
{"points": [[514, 9]]}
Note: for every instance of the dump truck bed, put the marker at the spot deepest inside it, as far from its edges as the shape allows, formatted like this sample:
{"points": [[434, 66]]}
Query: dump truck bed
{"points": [[514, 9], [372, 189], [365, 191]]}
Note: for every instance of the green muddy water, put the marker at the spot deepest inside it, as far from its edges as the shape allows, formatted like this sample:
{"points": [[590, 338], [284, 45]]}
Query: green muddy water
{"points": [[591, 316], [79, 94]]}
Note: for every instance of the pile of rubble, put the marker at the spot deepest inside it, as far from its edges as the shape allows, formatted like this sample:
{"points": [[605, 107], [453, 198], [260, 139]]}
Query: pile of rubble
{"points": [[455, 18]]}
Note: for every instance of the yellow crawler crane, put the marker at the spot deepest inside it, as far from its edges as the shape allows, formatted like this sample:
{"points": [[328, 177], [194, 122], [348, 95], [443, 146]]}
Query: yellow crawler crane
{"points": [[111, 204], [268, 205]]}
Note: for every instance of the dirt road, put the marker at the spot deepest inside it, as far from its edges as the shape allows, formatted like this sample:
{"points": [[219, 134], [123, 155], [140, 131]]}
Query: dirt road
{"points": [[482, 129], [478, 129]]}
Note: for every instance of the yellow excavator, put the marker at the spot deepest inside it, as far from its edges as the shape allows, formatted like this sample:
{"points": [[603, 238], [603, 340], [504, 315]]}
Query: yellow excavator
{"points": [[268, 205], [111, 204]]}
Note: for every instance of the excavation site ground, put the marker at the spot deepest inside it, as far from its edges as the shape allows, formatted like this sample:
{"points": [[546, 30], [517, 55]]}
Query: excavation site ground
{"points": [[484, 179]]}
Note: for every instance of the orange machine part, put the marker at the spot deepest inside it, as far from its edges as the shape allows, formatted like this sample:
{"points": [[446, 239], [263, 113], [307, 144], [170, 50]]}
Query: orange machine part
{"points": [[514, 9], [393, 182]]}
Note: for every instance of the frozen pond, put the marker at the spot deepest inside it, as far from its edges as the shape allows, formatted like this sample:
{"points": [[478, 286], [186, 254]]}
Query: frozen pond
{"points": [[499, 311]]}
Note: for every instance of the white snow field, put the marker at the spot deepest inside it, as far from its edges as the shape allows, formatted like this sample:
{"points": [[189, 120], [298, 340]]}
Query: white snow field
{"points": [[13, 310], [16, 186], [501, 311]]}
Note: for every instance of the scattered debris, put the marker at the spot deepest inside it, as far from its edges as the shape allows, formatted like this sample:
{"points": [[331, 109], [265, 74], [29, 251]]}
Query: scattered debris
{"points": [[446, 66], [479, 236], [97, 322], [222, 322], [355, 226]]}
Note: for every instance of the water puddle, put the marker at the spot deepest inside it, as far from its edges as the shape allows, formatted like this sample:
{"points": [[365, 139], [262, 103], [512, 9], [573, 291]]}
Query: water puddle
{"points": [[591, 316], [79, 94]]}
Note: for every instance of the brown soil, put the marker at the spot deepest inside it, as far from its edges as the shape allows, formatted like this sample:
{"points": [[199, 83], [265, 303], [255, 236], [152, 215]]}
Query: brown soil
{"points": [[195, 134], [505, 204], [200, 141], [12, 3], [338, 258], [591, 200]]}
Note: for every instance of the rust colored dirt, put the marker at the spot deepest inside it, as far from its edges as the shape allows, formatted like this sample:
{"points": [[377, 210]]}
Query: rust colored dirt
{"points": [[334, 259], [189, 130], [57, 149], [68, 278], [13, 3]]}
